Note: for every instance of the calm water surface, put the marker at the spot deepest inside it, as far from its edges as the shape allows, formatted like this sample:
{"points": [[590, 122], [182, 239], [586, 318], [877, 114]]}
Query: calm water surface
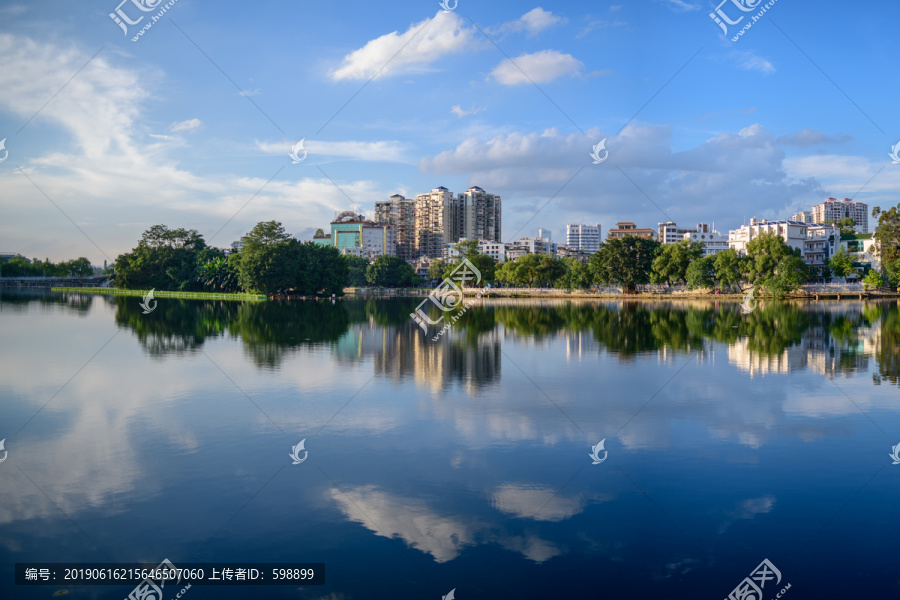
{"points": [[461, 463]]}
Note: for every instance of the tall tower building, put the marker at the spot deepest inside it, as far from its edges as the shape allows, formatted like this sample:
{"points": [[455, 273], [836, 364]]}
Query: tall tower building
{"points": [[479, 215], [401, 213], [437, 221]]}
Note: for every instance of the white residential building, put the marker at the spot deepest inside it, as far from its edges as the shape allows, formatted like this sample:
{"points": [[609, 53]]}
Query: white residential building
{"points": [[821, 243], [792, 232], [834, 210], [536, 245], [496, 250], [804, 216], [583, 237], [713, 241], [670, 233]]}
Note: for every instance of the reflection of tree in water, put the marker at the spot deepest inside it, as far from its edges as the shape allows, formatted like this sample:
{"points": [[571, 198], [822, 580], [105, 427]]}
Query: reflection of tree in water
{"points": [[835, 334], [175, 326], [18, 300], [887, 350], [271, 329]]}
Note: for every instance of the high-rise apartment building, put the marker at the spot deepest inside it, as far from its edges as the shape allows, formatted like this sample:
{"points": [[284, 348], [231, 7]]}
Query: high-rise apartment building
{"points": [[437, 221], [834, 210], [804, 216], [583, 237], [479, 215], [401, 213]]}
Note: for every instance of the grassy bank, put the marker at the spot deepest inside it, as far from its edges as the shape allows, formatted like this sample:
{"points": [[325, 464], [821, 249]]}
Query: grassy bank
{"points": [[159, 294]]}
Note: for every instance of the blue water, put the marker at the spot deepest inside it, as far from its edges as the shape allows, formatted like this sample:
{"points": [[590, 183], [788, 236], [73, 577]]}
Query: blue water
{"points": [[459, 464]]}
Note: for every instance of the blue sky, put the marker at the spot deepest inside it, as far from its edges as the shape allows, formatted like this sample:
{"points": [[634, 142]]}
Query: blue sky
{"points": [[191, 125]]}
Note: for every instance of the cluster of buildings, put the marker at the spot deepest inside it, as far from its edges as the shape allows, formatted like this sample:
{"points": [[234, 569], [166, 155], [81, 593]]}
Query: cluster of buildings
{"points": [[428, 227], [419, 227]]}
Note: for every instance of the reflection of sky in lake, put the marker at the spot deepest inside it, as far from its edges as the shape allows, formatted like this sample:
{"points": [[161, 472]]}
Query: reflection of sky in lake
{"points": [[462, 463]]}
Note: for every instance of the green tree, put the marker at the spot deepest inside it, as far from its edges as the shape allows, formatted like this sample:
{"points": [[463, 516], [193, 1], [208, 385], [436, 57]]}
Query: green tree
{"points": [[165, 259], [218, 275], [841, 264], [764, 253], [887, 242], [847, 225], [576, 274], [266, 233], [624, 261], [436, 269], [729, 268], [701, 273], [672, 261], [467, 249], [356, 266], [790, 273], [873, 280], [390, 271]]}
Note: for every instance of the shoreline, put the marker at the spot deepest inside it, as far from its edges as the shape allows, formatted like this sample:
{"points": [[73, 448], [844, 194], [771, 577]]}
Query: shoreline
{"points": [[159, 293]]}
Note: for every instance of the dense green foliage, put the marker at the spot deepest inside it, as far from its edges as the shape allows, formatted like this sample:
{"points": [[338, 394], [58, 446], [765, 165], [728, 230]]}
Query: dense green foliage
{"points": [[626, 262], [847, 225], [672, 262], [19, 266], [165, 259], [391, 272], [887, 242], [270, 262], [841, 264]]}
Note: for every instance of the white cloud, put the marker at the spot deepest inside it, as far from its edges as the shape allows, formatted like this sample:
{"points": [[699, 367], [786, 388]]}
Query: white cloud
{"points": [[716, 179], [541, 503], [411, 51], [752, 62], [461, 112], [413, 521], [539, 67], [534, 21], [811, 137], [248, 93], [681, 6], [188, 125], [108, 166], [598, 24], [381, 151]]}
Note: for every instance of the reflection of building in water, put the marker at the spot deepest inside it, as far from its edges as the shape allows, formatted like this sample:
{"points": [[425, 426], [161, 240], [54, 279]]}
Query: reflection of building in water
{"points": [[817, 350], [581, 343], [404, 351]]}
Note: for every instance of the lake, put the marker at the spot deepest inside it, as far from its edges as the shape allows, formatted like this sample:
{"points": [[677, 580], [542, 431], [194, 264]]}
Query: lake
{"points": [[460, 464]]}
